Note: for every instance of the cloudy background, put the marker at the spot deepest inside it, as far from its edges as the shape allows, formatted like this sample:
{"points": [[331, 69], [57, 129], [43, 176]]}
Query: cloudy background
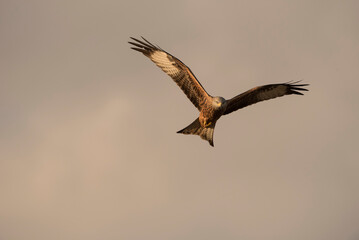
{"points": [[88, 139]]}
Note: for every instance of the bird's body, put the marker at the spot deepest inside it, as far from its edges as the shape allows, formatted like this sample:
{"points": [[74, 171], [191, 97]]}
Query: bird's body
{"points": [[210, 113], [210, 108]]}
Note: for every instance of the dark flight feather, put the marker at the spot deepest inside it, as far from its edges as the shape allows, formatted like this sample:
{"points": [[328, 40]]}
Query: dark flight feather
{"points": [[263, 93]]}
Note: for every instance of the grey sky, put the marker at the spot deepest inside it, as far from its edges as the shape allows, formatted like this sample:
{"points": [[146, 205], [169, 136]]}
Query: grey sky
{"points": [[88, 139]]}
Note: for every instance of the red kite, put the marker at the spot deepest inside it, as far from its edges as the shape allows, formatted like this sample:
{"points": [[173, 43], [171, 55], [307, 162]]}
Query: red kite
{"points": [[210, 108]]}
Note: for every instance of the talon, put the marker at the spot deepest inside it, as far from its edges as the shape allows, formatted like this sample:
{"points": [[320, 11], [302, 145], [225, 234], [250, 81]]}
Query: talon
{"points": [[206, 124]]}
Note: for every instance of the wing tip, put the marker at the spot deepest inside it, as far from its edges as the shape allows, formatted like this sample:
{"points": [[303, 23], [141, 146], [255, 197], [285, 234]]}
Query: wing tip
{"points": [[139, 50], [295, 88], [143, 44], [295, 92]]}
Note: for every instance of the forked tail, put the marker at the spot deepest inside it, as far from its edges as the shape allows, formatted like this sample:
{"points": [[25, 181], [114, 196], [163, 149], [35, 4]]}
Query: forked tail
{"points": [[195, 128]]}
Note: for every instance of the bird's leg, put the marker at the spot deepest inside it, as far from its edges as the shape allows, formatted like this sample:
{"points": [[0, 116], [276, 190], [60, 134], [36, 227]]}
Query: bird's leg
{"points": [[206, 124]]}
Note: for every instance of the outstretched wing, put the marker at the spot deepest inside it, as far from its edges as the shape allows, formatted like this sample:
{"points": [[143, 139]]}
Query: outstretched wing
{"points": [[263, 93], [176, 69]]}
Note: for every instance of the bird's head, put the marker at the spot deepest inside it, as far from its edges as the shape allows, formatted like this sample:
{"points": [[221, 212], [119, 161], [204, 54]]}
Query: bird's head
{"points": [[219, 102]]}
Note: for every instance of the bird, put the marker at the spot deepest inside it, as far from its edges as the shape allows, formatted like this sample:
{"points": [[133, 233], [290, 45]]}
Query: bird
{"points": [[210, 108]]}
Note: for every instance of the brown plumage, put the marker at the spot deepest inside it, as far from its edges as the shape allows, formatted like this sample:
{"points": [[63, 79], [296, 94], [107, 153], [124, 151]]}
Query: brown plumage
{"points": [[210, 108]]}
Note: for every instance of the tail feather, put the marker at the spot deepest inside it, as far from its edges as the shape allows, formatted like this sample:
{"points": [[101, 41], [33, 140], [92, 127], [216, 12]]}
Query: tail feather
{"points": [[195, 128]]}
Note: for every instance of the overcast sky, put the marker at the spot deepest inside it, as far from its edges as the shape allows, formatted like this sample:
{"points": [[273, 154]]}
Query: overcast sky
{"points": [[88, 139]]}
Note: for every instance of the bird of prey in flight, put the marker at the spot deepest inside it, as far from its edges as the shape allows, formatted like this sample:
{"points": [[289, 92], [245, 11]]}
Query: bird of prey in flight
{"points": [[210, 108]]}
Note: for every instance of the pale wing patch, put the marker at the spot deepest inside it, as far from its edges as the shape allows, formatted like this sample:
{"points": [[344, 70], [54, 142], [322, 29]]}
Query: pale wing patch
{"points": [[272, 93], [162, 60]]}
